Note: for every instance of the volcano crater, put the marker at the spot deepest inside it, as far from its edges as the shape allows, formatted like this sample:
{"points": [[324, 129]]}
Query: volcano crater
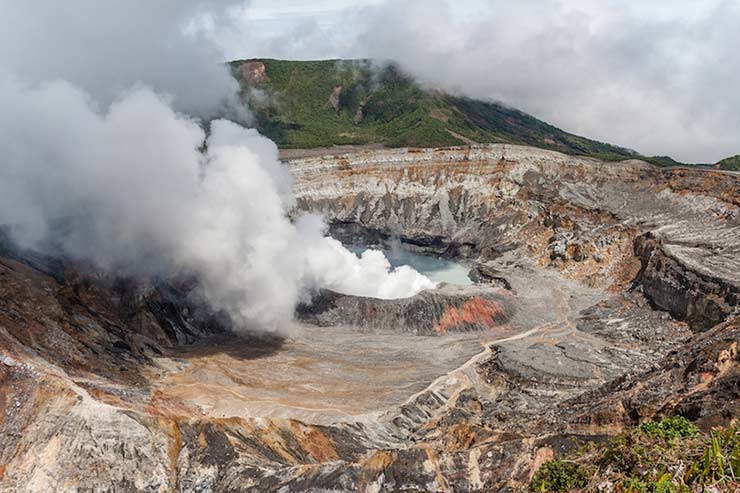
{"points": [[586, 273]]}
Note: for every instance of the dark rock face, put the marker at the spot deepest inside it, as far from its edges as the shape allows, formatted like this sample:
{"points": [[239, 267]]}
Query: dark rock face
{"points": [[702, 300], [485, 274], [701, 381], [93, 323], [573, 257], [448, 309]]}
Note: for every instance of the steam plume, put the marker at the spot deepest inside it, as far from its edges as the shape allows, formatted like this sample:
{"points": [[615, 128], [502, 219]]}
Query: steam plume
{"points": [[127, 180]]}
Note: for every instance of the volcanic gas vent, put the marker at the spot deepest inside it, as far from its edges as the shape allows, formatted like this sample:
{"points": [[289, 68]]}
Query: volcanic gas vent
{"points": [[366, 272]]}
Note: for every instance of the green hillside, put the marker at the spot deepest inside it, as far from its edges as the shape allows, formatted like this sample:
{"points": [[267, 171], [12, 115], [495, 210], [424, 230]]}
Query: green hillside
{"points": [[293, 104], [730, 164]]}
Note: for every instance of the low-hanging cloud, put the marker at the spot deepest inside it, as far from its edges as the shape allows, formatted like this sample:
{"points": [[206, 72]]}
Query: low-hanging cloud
{"points": [[106, 47], [115, 171], [634, 74]]}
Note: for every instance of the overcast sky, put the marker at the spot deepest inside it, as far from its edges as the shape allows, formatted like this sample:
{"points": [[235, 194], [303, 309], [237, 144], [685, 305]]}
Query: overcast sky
{"points": [[658, 76]]}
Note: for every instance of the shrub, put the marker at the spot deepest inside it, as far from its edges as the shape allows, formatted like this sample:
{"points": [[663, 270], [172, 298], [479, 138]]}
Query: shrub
{"points": [[631, 486], [623, 454], [665, 456], [670, 428], [557, 475]]}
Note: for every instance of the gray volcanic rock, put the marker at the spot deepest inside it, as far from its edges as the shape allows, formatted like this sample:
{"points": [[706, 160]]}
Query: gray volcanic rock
{"points": [[701, 298], [701, 381], [446, 309]]}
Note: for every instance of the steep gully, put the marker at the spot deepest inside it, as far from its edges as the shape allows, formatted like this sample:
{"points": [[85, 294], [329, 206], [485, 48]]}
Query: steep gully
{"points": [[612, 297]]}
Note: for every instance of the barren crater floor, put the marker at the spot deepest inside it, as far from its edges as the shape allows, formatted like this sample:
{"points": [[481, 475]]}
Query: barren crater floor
{"points": [[318, 375]]}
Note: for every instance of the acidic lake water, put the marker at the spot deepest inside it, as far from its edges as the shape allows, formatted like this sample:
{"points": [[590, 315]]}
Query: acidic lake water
{"points": [[435, 268]]}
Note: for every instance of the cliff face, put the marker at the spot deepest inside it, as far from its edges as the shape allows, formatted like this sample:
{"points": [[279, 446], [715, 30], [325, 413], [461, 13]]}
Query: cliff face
{"points": [[447, 309], [608, 295], [702, 298]]}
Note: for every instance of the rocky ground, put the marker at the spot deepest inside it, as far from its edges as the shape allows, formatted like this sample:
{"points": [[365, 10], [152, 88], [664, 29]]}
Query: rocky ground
{"points": [[607, 295]]}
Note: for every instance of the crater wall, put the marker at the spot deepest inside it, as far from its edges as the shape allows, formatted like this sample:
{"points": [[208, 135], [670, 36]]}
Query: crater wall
{"points": [[582, 216]]}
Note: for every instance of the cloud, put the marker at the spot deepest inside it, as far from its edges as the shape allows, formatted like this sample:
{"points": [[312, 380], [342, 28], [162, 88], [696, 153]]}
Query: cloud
{"points": [[106, 47], [659, 78]]}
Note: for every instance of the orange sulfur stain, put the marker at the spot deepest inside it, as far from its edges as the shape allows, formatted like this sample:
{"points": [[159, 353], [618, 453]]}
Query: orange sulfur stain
{"points": [[314, 442], [476, 312]]}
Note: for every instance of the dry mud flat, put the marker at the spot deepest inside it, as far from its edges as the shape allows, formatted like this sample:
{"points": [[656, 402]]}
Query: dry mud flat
{"points": [[318, 375], [612, 297]]}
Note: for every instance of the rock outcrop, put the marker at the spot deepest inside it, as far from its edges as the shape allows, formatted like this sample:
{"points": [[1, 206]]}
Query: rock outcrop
{"points": [[334, 98], [700, 381], [254, 72], [697, 296], [447, 309]]}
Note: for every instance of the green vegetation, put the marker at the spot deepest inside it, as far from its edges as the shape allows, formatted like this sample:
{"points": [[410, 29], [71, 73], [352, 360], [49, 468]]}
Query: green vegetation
{"points": [[670, 428], [730, 164], [293, 108], [720, 462], [382, 105], [558, 475], [662, 161], [666, 456]]}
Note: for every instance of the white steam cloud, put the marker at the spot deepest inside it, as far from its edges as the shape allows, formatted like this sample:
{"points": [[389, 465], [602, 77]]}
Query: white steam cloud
{"points": [[107, 167]]}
